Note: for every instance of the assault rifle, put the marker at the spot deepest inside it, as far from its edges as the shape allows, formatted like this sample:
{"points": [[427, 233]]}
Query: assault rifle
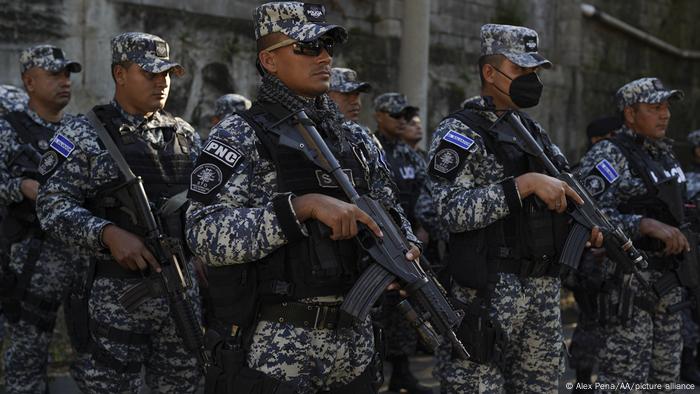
{"points": [[430, 312], [173, 281], [617, 245]]}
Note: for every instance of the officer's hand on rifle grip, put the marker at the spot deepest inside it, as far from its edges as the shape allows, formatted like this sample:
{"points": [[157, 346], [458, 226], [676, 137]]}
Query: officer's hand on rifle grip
{"points": [[340, 216], [672, 237], [596, 239], [552, 191], [128, 249], [29, 188]]}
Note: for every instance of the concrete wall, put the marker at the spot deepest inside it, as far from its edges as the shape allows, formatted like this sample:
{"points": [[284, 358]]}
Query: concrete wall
{"points": [[213, 39]]}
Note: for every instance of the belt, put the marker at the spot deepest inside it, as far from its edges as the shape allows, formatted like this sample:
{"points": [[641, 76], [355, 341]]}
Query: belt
{"points": [[317, 317]]}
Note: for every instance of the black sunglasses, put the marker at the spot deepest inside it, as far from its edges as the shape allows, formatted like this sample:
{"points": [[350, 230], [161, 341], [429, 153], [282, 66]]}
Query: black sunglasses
{"points": [[313, 48]]}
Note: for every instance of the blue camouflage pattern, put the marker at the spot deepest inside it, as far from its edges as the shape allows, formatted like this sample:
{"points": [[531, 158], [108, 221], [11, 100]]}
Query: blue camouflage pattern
{"points": [[150, 52], [645, 90], [527, 308], [169, 368], [299, 21], [12, 99], [229, 104], [57, 269], [240, 226], [344, 80], [47, 57], [518, 44], [648, 349], [392, 103]]}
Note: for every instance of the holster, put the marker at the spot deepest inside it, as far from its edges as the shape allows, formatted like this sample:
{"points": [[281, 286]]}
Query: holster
{"points": [[75, 309], [483, 338], [229, 374]]}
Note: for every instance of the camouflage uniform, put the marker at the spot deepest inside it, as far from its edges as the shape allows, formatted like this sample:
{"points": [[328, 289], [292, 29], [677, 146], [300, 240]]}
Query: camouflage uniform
{"points": [[240, 223], [11, 99], [56, 267], [87, 169], [230, 104], [647, 348], [692, 174], [476, 197]]}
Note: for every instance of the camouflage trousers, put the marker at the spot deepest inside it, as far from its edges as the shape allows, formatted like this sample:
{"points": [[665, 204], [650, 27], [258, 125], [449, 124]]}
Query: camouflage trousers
{"points": [[26, 358], [645, 349], [311, 360], [528, 311], [169, 367]]}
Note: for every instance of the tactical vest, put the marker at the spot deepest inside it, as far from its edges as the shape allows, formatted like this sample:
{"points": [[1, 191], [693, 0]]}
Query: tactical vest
{"points": [[527, 242], [315, 265], [34, 141], [664, 198], [405, 180], [165, 172], [665, 193]]}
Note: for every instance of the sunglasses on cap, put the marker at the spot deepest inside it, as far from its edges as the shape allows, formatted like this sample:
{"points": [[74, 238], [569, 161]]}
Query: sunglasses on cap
{"points": [[310, 48]]}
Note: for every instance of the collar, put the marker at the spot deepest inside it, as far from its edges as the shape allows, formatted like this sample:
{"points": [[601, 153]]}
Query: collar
{"points": [[483, 105], [39, 120], [654, 147]]}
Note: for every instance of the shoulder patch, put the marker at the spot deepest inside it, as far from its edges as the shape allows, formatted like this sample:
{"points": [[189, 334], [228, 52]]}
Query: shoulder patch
{"points": [[226, 154], [594, 184], [458, 139], [607, 170], [48, 162], [205, 178], [213, 169], [62, 145]]}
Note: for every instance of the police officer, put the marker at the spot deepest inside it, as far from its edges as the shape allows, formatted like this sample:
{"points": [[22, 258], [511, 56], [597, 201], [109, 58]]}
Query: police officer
{"points": [[85, 203], [413, 134], [11, 99], [392, 112], [637, 180], [39, 268], [690, 372], [506, 227], [257, 212], [229, 104], [592, 278], [692, 173], [345, 91]]}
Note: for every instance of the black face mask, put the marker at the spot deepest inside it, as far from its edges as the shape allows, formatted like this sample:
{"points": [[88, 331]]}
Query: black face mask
{"points": [[525, 91]]}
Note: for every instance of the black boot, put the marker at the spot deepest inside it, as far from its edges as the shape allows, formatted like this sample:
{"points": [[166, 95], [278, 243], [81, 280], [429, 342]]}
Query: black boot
{"points": [[689, 367], [403, 379]]}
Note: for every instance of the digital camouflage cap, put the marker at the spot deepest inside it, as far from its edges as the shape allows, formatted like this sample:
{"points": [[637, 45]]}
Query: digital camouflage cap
{"points": [[518, 44], [393, 103], [229, 104], [694, 138], [47, 57], [299, 21], [344, 80], [12, 99], [150, 52], [645, 90]]}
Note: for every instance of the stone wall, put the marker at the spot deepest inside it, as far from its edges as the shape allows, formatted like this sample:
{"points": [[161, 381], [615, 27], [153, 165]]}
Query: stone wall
{"points": [[213, 40]]}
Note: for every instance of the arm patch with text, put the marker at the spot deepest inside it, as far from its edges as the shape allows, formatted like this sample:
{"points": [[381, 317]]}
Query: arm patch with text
{"points": [[213, 169], [450, 156]]}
